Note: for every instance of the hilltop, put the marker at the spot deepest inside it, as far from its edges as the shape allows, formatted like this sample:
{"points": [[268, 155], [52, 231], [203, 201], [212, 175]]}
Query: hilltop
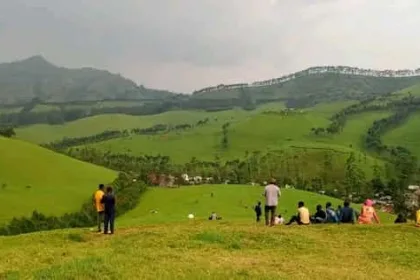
{"points": [[36, 78], [34, 178]]}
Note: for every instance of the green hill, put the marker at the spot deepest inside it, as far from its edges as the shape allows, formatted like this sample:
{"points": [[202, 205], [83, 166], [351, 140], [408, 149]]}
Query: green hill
{"points": [[313, 88], [232, 202], [33, 178], [22, 81]]}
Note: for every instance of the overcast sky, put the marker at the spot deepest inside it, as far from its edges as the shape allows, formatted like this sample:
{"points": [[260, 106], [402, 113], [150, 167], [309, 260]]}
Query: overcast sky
{"points": [[184, 45]]}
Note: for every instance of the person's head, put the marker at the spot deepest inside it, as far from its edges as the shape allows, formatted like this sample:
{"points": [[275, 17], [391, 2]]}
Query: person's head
{"points": [[101, 187], [368, 202], [272, 181], [346, 203], [339, 206], [319, 207], [259, 203], [279, 216], [328, 205], [301, 204], [109, 189], [400, 216]]}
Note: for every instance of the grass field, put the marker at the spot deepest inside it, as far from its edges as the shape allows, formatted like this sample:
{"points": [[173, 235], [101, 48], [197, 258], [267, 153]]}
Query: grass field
{"points": [[167, 245], [216, 250], [407, 135], [232, 202], [33, 178]]}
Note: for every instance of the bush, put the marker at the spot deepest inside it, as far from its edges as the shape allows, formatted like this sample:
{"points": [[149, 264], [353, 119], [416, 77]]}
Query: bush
{"points": [[128, 194]]}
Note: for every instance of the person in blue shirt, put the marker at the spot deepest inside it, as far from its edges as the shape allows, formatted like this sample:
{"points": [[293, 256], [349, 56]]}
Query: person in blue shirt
{"points": [[109, 204], [331, 214]]}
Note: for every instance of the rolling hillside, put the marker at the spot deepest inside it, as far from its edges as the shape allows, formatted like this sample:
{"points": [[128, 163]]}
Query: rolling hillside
{"points": [[33, 178], [22, 81], [232, 202]]}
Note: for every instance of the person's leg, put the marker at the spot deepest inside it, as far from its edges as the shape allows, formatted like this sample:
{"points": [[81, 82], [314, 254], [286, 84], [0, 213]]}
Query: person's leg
{"points": [[106, 222], [111, 222], [292, 220], [100, 218], [266, 210], [273, 215]]}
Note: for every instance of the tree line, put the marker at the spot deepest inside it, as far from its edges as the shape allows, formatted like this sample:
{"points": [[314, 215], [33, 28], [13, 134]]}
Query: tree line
{"points": [[68, 142]]}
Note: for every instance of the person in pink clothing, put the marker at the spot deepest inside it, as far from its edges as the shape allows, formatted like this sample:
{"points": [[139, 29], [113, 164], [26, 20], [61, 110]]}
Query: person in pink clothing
{"points": [[368, 213]]}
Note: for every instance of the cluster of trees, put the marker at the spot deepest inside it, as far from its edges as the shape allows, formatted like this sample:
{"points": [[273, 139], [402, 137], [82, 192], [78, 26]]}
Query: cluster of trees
{"points": [[127, 190], [112, 134], [331, 174], [225, 133], [7, 131]]}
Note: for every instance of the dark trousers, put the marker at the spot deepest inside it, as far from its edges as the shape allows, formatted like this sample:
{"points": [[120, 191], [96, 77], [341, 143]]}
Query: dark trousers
{"points": [[100, 220], [270, 211], [109, 222], [295, 219], [258, 217]]}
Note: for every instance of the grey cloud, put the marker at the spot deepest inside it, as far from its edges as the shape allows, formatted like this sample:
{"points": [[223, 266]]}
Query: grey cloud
{"points": [[188, 44]]}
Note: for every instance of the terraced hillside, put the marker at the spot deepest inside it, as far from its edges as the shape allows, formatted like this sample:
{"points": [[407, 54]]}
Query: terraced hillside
{"points": [[34, 178]]}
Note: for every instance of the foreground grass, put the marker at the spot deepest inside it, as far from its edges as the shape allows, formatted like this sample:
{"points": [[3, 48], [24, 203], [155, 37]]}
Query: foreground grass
{"points": [[216, 250]]}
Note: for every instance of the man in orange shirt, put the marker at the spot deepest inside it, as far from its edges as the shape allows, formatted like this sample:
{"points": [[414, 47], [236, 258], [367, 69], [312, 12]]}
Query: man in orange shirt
{"points": [[99, 206]]}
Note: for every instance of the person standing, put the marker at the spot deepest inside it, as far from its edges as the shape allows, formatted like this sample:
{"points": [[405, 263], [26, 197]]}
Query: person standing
{"points": [[99, 206], [258, 211], [109, 204], [272, 194]]}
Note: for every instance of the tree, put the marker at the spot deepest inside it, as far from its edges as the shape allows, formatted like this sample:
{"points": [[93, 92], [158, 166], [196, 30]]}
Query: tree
{"points": [[354, 176], [7, 132]]}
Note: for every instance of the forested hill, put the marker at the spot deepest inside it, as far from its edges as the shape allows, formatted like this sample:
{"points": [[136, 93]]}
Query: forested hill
{"points": [[35, 77]]}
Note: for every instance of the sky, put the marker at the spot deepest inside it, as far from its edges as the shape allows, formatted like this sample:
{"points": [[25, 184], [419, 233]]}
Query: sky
{"points": [[184, 45]]}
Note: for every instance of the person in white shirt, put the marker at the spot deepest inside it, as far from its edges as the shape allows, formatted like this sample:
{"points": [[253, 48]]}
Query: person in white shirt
{"points": [[279, 220], [271, 194]]}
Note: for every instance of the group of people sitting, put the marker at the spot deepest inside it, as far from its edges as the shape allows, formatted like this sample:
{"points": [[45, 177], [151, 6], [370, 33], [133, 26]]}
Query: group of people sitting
{"points": [[343, 214]]}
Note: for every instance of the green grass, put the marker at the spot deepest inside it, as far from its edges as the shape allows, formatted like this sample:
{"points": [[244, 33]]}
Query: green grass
{"points": [[10, 110], [232, 202], [33, 178], [216, 250], [43, 133], [45, 108], [407, 135]]}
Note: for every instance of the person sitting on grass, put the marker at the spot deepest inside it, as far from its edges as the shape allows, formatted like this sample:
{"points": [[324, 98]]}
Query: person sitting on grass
{"points": [[331, 214], [214, 217], [320, 215], [258, 211], [109, 201], [302, 217], [347, 214], [279, 220], [400, 219], [368, 213]]}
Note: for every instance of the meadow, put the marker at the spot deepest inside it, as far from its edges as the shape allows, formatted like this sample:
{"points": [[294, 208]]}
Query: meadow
{"points": [[167, 245], [34, 178]]}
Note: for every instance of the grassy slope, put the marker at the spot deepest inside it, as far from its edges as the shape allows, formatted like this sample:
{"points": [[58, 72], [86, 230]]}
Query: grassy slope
{"points": [[206, 250], [234, 248], [407, 135], [256, 132], [42, 133], [232, 202], [58, 184]]}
